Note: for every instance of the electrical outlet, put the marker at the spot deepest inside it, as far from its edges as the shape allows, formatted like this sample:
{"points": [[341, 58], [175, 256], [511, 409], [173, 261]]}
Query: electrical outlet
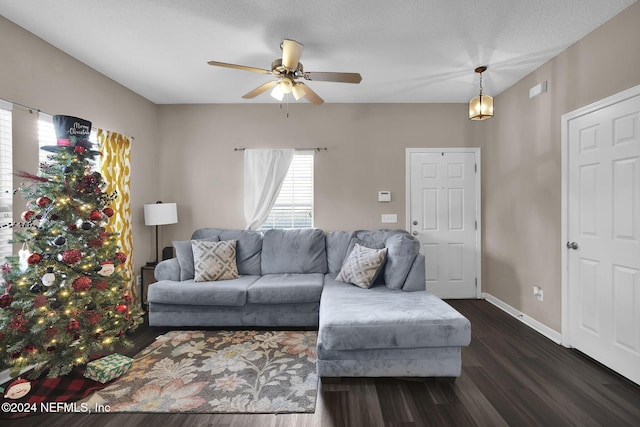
{"points": [[138, 280]]}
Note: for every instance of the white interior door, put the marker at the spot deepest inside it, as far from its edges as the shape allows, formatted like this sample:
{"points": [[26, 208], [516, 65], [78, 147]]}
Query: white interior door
{"points": [[443, 213], [603, 233]]}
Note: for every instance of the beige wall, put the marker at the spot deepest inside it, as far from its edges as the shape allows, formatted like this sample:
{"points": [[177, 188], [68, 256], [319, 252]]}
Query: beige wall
{"points": [[35, 74], [366, 153], [522, 164]]}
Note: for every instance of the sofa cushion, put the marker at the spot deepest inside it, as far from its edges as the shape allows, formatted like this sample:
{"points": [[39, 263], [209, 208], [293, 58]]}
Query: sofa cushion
{"points": [[286, 288], [362, 266], [214, 260], [403, 249], [248, 248], [352, 318], [224, 292], [337, 243], [184, 253], [294, 251]]}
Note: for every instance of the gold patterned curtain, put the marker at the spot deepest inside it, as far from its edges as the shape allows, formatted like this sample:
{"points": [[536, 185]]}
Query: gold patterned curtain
{"points": [[115, 169]]}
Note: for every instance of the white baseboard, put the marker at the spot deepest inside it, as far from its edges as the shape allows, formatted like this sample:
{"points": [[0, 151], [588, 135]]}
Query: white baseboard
{"points": [[543, 329]]}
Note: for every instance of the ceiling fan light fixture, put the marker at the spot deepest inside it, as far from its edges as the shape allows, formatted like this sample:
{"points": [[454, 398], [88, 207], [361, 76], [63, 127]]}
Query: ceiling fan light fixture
{"points": [[481, 106], [286, 85], [298, 91], [277, 92]]}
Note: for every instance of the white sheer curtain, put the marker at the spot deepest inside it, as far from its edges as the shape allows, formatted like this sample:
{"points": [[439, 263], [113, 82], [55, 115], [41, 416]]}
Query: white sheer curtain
{"points": [[264, 172]]}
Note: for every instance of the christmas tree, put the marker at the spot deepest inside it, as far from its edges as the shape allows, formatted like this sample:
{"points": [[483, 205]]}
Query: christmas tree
{"points": [[64, 298]]}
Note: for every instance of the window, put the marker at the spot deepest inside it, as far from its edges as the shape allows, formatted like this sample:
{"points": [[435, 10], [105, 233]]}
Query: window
{"points": [[6, 181], [294, 205], [47, 136]]}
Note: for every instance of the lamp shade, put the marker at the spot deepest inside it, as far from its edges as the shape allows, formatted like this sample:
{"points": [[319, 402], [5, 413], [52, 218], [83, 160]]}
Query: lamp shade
{"points": [[481, 107], [160, 214]]}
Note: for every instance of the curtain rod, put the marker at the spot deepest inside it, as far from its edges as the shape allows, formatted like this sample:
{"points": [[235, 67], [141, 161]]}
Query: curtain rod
{"points": [[296, 149], [37, 110]]}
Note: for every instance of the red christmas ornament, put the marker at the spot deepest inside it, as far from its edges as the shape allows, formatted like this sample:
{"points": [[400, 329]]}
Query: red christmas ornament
{"points": [[96, 243], [127, 298], [95, 216], [34, 258], [27, 215], [78, 149], [71, 256], [120, 257], [108, 212], [29, 349], [5, 300], [73, 326], [19, 323], [43, 201], [101, 286], [122, 308], [81, 284], [39, 301], [72, 227], [93, 318]]}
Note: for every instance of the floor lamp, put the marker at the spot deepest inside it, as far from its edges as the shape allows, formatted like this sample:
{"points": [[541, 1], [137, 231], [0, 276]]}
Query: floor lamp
{"points": [[160, 214]]}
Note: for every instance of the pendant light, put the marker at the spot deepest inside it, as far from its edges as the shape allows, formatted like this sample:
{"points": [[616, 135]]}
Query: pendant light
{"points": [[481, 106]]}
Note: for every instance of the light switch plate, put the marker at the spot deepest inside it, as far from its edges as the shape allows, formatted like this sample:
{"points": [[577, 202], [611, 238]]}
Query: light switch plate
{"points": [[389, 218]]}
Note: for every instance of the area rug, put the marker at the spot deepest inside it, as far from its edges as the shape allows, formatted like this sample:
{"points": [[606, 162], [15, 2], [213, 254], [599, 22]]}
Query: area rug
{"points": [[219, 372]]}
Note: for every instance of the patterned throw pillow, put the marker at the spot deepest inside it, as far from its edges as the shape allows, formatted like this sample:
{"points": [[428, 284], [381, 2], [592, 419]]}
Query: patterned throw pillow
{"points": [[214, 260], [361, 266]]}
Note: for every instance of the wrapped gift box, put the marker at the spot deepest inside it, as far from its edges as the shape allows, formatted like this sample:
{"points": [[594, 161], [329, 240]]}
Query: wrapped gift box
{"points": [[107, 368]]}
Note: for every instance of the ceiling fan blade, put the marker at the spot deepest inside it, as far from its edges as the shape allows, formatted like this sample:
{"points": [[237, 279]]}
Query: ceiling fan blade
{"points": [[260, 89], [239, 67], [311, 96], [333, 77], [291, 53]]}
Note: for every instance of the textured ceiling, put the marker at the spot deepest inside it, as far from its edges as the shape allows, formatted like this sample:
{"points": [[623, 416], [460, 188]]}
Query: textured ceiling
{"points": [[406, 51]]}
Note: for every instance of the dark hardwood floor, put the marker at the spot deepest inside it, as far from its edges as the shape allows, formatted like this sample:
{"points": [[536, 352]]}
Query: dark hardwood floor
{"points": [[511, 376]]}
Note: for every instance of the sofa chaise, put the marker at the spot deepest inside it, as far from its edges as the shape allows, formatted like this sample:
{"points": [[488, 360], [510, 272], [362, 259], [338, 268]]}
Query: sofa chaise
{"points": [[296, 278]]}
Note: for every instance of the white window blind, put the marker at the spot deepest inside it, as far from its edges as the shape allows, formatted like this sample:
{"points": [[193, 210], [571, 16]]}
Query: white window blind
{"points": [[294, 205], [6, 180], [47, 136]]}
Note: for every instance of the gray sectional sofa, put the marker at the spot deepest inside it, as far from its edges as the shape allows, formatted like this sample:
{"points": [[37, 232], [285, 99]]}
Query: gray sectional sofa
{"points": [[288, 279]]}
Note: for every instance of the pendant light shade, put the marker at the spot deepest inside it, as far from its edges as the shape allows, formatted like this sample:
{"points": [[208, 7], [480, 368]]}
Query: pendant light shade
{"points": [[481, 106]]}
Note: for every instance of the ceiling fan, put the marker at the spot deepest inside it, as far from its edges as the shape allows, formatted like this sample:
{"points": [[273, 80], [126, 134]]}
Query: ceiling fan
{"points": [[288, 70]]}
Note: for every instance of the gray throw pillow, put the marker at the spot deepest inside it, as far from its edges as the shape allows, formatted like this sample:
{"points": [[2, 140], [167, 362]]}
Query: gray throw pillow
{"points": [[214, 260], [184, 253], [361, 266]]}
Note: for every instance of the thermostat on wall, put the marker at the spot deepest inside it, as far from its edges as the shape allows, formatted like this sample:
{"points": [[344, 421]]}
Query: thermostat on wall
{"points": [[384, 196]]}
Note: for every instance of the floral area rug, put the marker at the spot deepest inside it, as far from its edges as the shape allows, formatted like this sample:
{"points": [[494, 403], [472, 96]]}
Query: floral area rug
{"points": [[219, 371]]}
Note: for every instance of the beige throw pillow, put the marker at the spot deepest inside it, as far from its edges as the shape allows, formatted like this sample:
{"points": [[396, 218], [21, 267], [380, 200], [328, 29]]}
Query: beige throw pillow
{"points": [[214, 260], [361, 266]]}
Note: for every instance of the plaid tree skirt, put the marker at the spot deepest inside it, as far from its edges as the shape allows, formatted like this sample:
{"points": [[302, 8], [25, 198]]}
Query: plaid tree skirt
{"points": [[69, 388]]}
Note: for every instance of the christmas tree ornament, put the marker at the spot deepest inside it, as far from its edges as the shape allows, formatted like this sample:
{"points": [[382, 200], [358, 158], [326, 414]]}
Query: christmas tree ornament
{"points": [[86, 226], [68, 170], [43, 201], [59, 241], [101, 285], [91, 306], [49, 278], [81, 284], [17, 389], [121, 308], [108, 212], [96, 243], [36, 288], [107, 269], [73, 326], [5, 300], [95, 216], [55, 304], [26, 216], [71, 256], [23, 255], [121, 258], [39, 301], [34, 258]]}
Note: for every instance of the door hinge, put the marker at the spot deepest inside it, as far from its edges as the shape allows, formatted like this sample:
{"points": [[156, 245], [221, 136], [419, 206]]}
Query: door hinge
{"points": [[476, 167], [476, 224]]}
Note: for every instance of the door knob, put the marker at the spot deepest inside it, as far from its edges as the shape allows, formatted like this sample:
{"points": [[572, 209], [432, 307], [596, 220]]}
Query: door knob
{"points": [[415, 233], [572, 245], [415, 222]]}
